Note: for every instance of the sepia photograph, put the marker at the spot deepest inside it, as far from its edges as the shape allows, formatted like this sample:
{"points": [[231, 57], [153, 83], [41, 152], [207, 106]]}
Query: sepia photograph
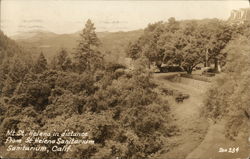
{"points": [[125, 79]]}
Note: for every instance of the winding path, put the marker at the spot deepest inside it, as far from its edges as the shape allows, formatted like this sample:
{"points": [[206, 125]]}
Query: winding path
{"points": [[192, 126], [197, 138]]}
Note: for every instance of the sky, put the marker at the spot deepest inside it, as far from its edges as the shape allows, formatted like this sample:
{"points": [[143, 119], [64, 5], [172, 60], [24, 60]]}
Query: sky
{"points": [[65, 16]]}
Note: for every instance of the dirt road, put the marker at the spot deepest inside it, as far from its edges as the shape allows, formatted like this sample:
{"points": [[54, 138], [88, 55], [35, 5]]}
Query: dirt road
{"points": [[198, 138], [192, 126]]}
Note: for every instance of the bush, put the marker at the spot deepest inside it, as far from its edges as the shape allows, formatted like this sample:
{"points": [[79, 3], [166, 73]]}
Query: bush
{"points": [[229, 98]]}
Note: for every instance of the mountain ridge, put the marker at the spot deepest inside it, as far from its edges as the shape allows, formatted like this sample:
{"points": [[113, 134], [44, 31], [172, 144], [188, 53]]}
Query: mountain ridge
{"points": [[113, 43]]}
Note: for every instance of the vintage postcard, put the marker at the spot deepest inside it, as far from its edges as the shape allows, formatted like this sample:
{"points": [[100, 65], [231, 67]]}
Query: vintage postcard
{"points": [[122, 79]]}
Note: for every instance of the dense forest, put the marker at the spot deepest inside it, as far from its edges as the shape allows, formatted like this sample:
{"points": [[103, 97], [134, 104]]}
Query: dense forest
{"points": [[120, 107]]}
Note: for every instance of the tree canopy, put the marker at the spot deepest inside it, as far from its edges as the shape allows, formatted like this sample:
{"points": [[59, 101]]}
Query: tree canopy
{"points": [[119, 109], [87, 56], [183, 43]]}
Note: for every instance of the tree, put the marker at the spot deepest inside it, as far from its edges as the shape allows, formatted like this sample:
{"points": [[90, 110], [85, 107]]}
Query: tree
{"points": [[15, 70], [181, 45], [219, 34], [172, 25], [14, 64], [229, 97], [167, 43], [192, 49], [150, 47], [186, 43], [61, 61], [133, 50], [87, 56], [40, 65]]}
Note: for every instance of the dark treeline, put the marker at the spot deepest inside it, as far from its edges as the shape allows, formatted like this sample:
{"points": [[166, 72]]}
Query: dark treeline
{"points": [[185, 43], [118, 108]]}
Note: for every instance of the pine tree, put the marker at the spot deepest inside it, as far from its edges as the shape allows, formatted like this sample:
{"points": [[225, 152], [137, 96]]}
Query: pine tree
{"points": [[87, 56], [12, 72], [61, 61], [67, 64], [40, 65], [61, 57]]}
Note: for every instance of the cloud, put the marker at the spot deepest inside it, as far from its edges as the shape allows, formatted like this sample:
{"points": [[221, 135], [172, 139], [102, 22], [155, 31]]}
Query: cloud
{"points": [[114, 22], [21, 32], [36, 27], [22, 26], [32, 21]]}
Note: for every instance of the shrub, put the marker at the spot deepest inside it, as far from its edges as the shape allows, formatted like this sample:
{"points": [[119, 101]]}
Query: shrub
{"points": [[229, 98]]}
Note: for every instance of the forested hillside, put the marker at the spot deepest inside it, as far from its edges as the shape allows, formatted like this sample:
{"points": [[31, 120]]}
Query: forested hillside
{"points": [[8, 47], [52, 83], [118, 108], [14, 64]]}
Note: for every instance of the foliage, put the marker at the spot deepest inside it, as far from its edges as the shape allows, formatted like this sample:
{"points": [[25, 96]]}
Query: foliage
{"points": [[182, 43], [62, 61], [40, 65], [87, 56], [8, 47], [229, 97], [117, 107]]}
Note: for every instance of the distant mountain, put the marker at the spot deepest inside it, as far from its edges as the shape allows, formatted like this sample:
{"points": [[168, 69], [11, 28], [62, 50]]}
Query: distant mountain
{"points": [[240, 16], [113, 43], [33, 33]]}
